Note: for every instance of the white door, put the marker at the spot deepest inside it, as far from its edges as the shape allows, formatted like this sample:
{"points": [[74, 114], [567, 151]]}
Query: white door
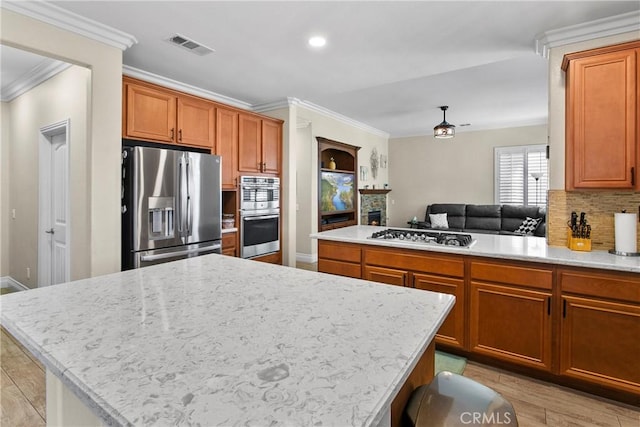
{"points": [[54, 206]]}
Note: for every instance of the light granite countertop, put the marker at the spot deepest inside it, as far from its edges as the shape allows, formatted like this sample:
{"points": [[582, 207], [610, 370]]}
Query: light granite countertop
{"points": [[522, 248], [216, 340]]}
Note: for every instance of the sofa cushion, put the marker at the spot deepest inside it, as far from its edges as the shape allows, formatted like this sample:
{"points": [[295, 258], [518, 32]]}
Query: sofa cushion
{"points": [[528, 226], [455, 213], [439, 220], [483, 217], [512, 216]]}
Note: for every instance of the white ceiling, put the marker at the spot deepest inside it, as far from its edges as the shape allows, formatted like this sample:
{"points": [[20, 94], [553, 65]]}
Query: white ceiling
{"points": [[388, 64]]}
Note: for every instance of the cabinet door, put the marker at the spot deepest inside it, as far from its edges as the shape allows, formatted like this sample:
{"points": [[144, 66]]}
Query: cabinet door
{"points": [[229, 243], [600, 342], [511, 324], [196, 122], [389, 276], [151, 114], [271, 147], [601, 121], [452, 330], [227, 145], [249, 143]]}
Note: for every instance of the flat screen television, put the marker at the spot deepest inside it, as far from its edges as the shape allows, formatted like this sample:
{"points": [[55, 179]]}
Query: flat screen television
{"points": [[337, 192]]}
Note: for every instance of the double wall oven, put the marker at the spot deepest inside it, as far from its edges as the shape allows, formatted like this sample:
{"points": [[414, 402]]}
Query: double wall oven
{"points": [[259, 216]]}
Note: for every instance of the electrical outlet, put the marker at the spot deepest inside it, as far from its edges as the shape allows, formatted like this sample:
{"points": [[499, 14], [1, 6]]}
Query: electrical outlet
{"points": [[28, 273]]}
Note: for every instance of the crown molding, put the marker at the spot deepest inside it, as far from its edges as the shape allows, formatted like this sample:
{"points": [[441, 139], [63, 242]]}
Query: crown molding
{"points": [[257, 108], [320, 110], [38, 74], [182, 87], [610, 26], [62, 18]]}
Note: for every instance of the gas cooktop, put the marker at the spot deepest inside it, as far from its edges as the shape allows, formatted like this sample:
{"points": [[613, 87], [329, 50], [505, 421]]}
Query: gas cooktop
{"points": [[425, 237]]}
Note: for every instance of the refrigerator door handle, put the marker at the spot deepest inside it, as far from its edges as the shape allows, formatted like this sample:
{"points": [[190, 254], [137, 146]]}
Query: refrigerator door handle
{"points": [[212, 248], [189, 219], [179, 197]]}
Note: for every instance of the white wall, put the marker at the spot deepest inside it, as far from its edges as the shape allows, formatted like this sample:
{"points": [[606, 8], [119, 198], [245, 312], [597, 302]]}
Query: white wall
{"points": [[316, 124], [425, 170], [557, 101], [62, 97], [101, 241], [5, 213]]}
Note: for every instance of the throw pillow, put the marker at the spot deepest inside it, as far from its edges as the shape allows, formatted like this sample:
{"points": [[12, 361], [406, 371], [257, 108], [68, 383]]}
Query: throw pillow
{"points": [[439, 220], [528, 226]]}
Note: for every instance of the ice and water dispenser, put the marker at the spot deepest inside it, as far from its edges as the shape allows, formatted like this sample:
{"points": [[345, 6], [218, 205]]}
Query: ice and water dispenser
{"points": [[161, 218]]}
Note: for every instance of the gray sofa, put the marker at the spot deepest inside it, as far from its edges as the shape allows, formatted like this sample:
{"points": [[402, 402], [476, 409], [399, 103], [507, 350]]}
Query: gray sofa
{"points": [[488, 219]]}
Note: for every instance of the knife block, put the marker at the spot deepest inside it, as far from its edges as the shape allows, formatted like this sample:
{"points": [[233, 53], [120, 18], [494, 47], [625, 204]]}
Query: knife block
{"points": [[578, 244]]}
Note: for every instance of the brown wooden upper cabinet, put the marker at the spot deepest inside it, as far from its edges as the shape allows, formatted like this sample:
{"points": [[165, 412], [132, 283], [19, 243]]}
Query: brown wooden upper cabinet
{"points": [[602, 125], [227, 145], [259, 145], [157, 114]]}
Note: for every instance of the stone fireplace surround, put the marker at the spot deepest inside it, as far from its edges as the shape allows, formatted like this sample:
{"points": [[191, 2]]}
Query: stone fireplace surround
{"points": [[373, 200]]}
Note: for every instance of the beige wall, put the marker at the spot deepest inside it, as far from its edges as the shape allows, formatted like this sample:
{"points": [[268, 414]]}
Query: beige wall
{"points": [[5, 212], [59, 98], [314, 124], [424, 170], [101, 242]]}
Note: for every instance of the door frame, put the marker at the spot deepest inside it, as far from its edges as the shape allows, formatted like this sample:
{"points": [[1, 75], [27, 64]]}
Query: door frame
{"points": [[44, 198]]}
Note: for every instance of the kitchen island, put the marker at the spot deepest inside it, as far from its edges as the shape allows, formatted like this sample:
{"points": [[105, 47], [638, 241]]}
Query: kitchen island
{"points": [[552, 313], [517, 248], [218, 340]]}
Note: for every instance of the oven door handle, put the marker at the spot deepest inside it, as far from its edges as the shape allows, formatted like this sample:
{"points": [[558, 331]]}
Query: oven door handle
{"points": [[257, 218]]}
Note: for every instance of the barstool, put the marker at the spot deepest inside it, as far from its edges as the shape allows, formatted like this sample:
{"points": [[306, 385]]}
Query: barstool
{"points": [[453, 400]]}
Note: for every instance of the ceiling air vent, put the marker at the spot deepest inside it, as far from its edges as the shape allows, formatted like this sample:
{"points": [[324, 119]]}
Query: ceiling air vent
{"points": [[190, 45]]}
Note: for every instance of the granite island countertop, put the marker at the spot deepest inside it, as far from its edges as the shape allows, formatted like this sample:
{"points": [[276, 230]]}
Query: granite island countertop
{"points": [[522, 248], [217, 340]]}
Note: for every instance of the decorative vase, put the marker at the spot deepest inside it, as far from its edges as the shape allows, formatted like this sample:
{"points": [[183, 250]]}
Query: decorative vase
{"points": [[332, 164]]}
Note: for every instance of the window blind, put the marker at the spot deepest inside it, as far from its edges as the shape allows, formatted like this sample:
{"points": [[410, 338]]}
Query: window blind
{"points": [[516, 169]]}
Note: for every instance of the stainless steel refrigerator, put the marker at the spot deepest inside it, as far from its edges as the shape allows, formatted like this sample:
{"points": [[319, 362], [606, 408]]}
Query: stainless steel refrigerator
{"points": [[171, 205]]}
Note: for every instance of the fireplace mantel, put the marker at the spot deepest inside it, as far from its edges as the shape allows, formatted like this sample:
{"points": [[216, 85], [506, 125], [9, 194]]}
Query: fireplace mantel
{"points": [[374, 191]]}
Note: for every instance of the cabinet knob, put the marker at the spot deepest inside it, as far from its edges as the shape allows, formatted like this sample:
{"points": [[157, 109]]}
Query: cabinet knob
{"points": [[172, 133], [180, 135]]}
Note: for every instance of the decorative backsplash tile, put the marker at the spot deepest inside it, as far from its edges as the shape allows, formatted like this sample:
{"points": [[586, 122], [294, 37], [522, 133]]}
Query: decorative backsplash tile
{"points": [[599, 207]]}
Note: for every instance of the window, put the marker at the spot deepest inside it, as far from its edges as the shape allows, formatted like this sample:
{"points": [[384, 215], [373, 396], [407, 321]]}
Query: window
{"points": [[521, 176]]}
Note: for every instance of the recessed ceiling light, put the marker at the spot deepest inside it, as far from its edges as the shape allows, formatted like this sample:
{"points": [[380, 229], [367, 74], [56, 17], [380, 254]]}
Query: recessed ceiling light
{"points": [[317, 41]]}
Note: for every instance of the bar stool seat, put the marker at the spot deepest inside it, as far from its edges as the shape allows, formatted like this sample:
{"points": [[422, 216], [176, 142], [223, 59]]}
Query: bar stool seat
{"points": [[453, 400]]}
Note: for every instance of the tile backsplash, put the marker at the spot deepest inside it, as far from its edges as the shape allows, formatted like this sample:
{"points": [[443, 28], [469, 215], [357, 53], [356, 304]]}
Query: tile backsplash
{"points": [[599, 207]]}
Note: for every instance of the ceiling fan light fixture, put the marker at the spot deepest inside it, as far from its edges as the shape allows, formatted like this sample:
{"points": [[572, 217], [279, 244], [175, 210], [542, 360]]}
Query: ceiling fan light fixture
{"points": [[444, 130]]}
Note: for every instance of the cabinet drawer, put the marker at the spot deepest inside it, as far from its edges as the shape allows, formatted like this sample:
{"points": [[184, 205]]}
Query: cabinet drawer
{"points": [[423, 262], [512, 274], [339, 251], [611, 285], [339, 267]]}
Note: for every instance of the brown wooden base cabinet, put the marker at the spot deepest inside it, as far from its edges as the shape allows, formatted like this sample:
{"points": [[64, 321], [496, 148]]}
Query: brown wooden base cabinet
{"points": [[600, 328], [342, 259], [575, 326], [229, 246], [512, 324], [426, 271]]}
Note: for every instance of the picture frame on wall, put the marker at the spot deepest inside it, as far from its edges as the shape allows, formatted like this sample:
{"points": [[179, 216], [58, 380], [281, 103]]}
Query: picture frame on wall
{"points": [[363, 173]]}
